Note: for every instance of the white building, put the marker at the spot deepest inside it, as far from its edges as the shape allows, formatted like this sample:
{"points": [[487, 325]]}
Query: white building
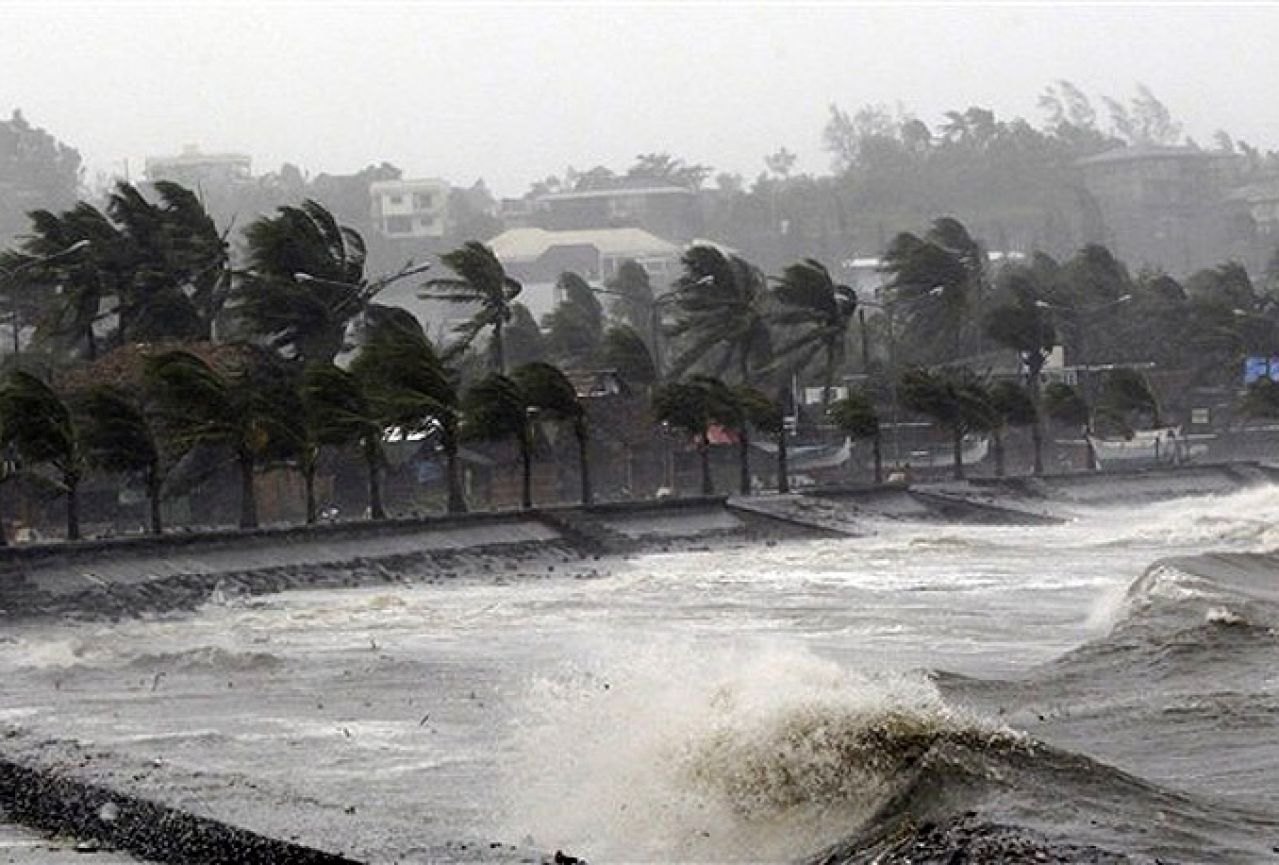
{"points": [[410, 208], [196, 170]]}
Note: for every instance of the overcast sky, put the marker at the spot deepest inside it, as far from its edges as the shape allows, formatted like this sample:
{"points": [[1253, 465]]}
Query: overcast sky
{"points": [[514, 92]]}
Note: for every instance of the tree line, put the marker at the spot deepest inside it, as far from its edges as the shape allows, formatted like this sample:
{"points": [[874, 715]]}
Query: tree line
{"points": [[243, 347]]}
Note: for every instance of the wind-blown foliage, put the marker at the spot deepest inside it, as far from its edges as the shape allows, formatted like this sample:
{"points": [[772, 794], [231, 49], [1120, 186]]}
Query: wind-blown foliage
{"points": [[1011, 405], [43, 429], [953, 397], [576, 325], [479, 280], [690, 407], [821, 311], [625, 351], [495, 408], [634, 300], [341, 413], [855, 417], [118, 434], [547, 391], [411, 390], [304, 283], [722, 317], [251, 411]]}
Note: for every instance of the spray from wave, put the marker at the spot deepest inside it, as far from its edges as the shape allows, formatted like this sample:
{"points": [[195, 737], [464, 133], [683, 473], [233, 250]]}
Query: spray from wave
{"points": [[683, 753]]}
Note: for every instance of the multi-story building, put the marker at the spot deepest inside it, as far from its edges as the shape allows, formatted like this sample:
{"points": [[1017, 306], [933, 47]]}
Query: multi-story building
{"points": [[410, 208], [1164, 207], [669, 211], [196, 170]]}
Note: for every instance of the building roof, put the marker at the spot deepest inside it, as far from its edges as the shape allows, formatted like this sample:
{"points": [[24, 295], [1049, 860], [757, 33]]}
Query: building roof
{"points": [[616, 192], [530, 244], [406, 183], [1150, 151]]}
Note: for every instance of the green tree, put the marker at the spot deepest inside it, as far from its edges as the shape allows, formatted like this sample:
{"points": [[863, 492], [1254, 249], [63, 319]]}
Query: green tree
{"points": [[625, 351], [119, 434], [495, 409], [305, 281], [248, 410], [688, 406], [479, 280], [634, 301], [43, 429], [1020, 323], [411, 390], [548, 391], [341, 413], [855, 416], [821, 311], [576, 325], [1127, 402], [955, 398], [722, 318], [524, 340], [1012, 405], [769, 417]]}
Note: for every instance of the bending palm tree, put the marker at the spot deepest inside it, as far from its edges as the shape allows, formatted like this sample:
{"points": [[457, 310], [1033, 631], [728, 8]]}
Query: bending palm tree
{"points": [[721, 313], [40, 424], [855, 417], [119, 435], [479, 280], [822, 310], [410, 389], [547, 390], [495, 409], [340, 412]]}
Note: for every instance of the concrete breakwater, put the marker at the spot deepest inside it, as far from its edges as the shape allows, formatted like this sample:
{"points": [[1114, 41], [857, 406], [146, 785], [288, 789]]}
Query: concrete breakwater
{"points": [[124, 576]]}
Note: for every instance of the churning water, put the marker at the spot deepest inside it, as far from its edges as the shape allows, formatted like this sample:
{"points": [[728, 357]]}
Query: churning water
{"points": [[1109, 682]]}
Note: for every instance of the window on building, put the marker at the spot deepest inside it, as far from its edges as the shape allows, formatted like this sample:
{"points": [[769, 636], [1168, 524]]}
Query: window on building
{"points": [[422, 201], [399, 225], [395, 199]]}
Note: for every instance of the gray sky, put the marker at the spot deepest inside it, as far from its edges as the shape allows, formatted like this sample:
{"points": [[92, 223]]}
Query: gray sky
{"points": [[514, 92]]}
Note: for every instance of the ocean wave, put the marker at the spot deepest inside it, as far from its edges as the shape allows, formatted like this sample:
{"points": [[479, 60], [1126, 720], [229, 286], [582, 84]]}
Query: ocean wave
{"points": [[207, 658]]}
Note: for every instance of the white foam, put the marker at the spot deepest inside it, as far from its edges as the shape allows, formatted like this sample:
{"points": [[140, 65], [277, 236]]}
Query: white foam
{"points": [[680, 752]]}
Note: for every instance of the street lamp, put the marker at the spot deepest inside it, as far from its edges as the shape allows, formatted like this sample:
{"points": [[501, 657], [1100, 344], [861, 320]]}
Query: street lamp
{"points": [[889, 307], [1080, 318], [8, 277]]}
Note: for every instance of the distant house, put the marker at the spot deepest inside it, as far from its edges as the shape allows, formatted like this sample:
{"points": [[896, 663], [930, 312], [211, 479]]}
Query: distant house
{"points": [[196, 170], [665, 209], [409, 208], [537, 257], [1163, 206]]}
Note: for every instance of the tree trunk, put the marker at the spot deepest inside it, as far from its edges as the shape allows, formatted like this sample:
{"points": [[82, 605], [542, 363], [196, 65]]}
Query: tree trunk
{"points": [[248, 496], [373, 461], [309, 468], [584, 463], [958, 441], [861, 320], [453, 468], [997, 438], [877, 454], [783, 471], [744, 461], [1037, 426], [499, 346], [154, 485], [704, 454], [526, 461], [73, 506]]}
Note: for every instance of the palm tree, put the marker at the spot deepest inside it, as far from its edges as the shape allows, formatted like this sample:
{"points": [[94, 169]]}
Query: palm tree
{"points": [[1024, 326], [769, 417], [523, 341], [625, 351], [479, 280], [740, 408], [305, 281], [633, 301], [549, 392], [340, 412], [41, 426], [822, 311], [1011, 405], [250, 410], [119, 434], [722, 318], [691, 406], [495, 408], [576, 325], [953, 397], [855, 417], [410, 389]]}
